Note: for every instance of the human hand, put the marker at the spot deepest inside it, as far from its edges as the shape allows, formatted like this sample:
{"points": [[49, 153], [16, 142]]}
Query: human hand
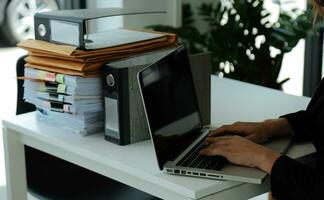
{"points": [[241, 151], [258, 132]]}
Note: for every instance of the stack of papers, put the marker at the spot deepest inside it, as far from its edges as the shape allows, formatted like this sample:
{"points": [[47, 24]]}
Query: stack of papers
{"points": [[71, 102], [110, 46], [65, 83]]}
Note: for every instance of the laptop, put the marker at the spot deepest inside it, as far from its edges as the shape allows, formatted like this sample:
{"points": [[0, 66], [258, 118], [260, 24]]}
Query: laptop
{"points": [[175, 125]]}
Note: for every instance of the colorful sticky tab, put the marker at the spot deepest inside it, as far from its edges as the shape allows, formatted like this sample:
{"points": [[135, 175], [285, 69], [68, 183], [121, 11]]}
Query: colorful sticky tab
{"points": [[61, 88], [47, 76], [60, 78], [41, 75], [66, 108], [42, 87], [50, 77], [61, 97]]}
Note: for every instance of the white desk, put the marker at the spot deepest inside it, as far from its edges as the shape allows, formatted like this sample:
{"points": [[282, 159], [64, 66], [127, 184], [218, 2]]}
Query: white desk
{"points": [[135, 165]]}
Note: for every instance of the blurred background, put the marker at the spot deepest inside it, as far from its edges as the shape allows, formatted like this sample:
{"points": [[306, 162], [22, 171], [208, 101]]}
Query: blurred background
{"points": [[274, 43]]}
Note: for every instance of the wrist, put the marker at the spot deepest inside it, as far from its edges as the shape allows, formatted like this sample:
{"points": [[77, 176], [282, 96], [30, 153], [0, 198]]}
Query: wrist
{"points": [[269, 126], [266, 160]]}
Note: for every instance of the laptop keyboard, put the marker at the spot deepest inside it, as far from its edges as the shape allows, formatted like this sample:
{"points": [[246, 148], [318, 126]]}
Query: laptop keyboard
{"points": [[195, 160]]}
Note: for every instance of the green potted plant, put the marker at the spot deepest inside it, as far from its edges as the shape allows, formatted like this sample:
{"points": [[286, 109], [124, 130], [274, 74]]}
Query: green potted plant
{"points": [[241, 38]]}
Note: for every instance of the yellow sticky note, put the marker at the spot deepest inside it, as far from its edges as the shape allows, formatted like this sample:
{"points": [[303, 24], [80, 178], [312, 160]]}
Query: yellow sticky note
{"points": [[60, 78], [42, 87], [41, 75], [61, 88]]}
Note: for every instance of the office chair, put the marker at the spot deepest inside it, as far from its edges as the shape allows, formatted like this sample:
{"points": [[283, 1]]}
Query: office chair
{"points": [[49, 177]]}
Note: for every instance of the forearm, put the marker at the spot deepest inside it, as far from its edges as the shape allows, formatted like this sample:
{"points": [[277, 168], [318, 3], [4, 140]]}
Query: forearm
{"points": [[278, 127]]}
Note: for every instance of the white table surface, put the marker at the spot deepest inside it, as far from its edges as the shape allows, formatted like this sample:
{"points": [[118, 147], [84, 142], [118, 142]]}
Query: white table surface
{"points": [[135, 164]]}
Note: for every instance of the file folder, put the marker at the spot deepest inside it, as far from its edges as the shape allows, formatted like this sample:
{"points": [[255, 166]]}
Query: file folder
{"points": [[71, 53], [72, 26]]}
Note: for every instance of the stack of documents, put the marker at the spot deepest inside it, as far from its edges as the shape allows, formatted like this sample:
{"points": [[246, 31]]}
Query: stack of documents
{"points": [[72, 102], [113, 45], [65, 82]]}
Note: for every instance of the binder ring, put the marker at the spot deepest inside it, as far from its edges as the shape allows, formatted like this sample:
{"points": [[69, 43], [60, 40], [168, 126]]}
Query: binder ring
{"points": [[41, 30], [110, 80]]}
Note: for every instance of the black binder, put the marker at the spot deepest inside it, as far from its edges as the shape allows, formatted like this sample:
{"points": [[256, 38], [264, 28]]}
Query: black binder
{"points": [[125, 120], [72, 26]]}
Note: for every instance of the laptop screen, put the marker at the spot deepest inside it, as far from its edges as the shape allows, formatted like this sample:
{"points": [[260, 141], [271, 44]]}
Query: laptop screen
{"points": [[171, 104]]}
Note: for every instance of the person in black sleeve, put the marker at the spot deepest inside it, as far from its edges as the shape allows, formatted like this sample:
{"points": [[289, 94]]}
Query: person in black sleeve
{"points": [[289, 179]]}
